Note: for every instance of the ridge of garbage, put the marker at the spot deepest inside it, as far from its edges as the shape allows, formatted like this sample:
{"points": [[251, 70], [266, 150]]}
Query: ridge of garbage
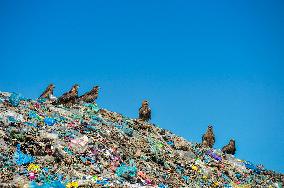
{"points": [[45, 145]]}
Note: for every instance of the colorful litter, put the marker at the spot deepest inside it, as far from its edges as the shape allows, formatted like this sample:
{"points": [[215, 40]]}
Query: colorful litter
{"points": [[44, 145]]}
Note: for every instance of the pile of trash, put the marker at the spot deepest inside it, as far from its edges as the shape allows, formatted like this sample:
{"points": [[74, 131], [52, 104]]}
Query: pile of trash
{"points": [[44, 145]]}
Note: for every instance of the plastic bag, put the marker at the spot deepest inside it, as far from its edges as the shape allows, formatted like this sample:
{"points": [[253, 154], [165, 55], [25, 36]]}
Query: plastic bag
{"points": [[124, 170], [21, 158], [14, 99], [49, 121]]}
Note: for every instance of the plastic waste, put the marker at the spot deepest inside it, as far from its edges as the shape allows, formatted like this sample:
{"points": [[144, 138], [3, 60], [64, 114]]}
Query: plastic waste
{"points": [[251, 166], [14, 99], [44, 145], [49, 121], [124, 170], [21, 158]]}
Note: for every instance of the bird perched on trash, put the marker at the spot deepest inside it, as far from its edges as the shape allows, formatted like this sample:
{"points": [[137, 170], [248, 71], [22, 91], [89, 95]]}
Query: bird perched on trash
{"points": [[70, 97], [230, 148], [145, 111], [48, 92], [208, 139], [90, 96]]}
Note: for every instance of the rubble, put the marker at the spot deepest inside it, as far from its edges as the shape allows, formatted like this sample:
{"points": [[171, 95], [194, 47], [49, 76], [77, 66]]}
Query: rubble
{"points": [[44, 145]]}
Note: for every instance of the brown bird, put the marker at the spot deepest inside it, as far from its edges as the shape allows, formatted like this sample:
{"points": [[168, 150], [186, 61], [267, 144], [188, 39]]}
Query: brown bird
{"points": [[47, 92], [208, 139], [230, 148], [90, 96], [69, 97], [145, 111]]}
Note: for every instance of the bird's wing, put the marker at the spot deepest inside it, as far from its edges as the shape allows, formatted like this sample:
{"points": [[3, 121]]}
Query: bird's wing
{"points": [[140, 112], [43, 94], [64, 97]]}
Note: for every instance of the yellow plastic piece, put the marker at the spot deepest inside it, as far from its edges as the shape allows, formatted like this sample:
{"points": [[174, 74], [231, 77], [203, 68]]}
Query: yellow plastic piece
{"points": [[74, 184], [33, 167], [194, 167]]}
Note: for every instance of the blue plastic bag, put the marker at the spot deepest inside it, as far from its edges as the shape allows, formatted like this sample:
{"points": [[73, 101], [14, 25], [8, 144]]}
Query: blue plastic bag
{"points": [[20, 158], [162, 186], [92, 106], [54, 184], [127, 131], [251, 166], [49, 121], [123, 170], [33, 114], [14, 99], [171, 143]]}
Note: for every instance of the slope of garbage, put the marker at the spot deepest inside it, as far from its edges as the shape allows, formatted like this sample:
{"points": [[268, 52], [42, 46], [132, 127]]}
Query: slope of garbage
{"points": [[43, 145]]}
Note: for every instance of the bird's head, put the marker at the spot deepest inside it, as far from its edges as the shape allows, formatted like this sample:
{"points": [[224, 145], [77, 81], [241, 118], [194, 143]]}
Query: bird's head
{"points": [[51, 86], [96, 88], [145, 103], [75, 88]]}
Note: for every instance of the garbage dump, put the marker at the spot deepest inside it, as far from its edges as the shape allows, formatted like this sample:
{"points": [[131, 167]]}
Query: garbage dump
{"points": [[44, 145]]}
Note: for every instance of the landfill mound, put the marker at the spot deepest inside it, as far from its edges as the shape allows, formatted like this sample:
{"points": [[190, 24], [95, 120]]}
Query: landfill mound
{"points": [[43, 145]]}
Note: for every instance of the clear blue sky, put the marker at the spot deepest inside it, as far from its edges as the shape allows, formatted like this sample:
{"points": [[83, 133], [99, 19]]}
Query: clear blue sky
{"points": [[197, 62]]}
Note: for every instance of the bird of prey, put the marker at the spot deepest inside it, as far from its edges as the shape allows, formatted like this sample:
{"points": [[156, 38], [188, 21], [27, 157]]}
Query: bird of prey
{"points": [[90, 96], [230, 148], [48, 92], [70, 97], [145, 111], [208, 139]]}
